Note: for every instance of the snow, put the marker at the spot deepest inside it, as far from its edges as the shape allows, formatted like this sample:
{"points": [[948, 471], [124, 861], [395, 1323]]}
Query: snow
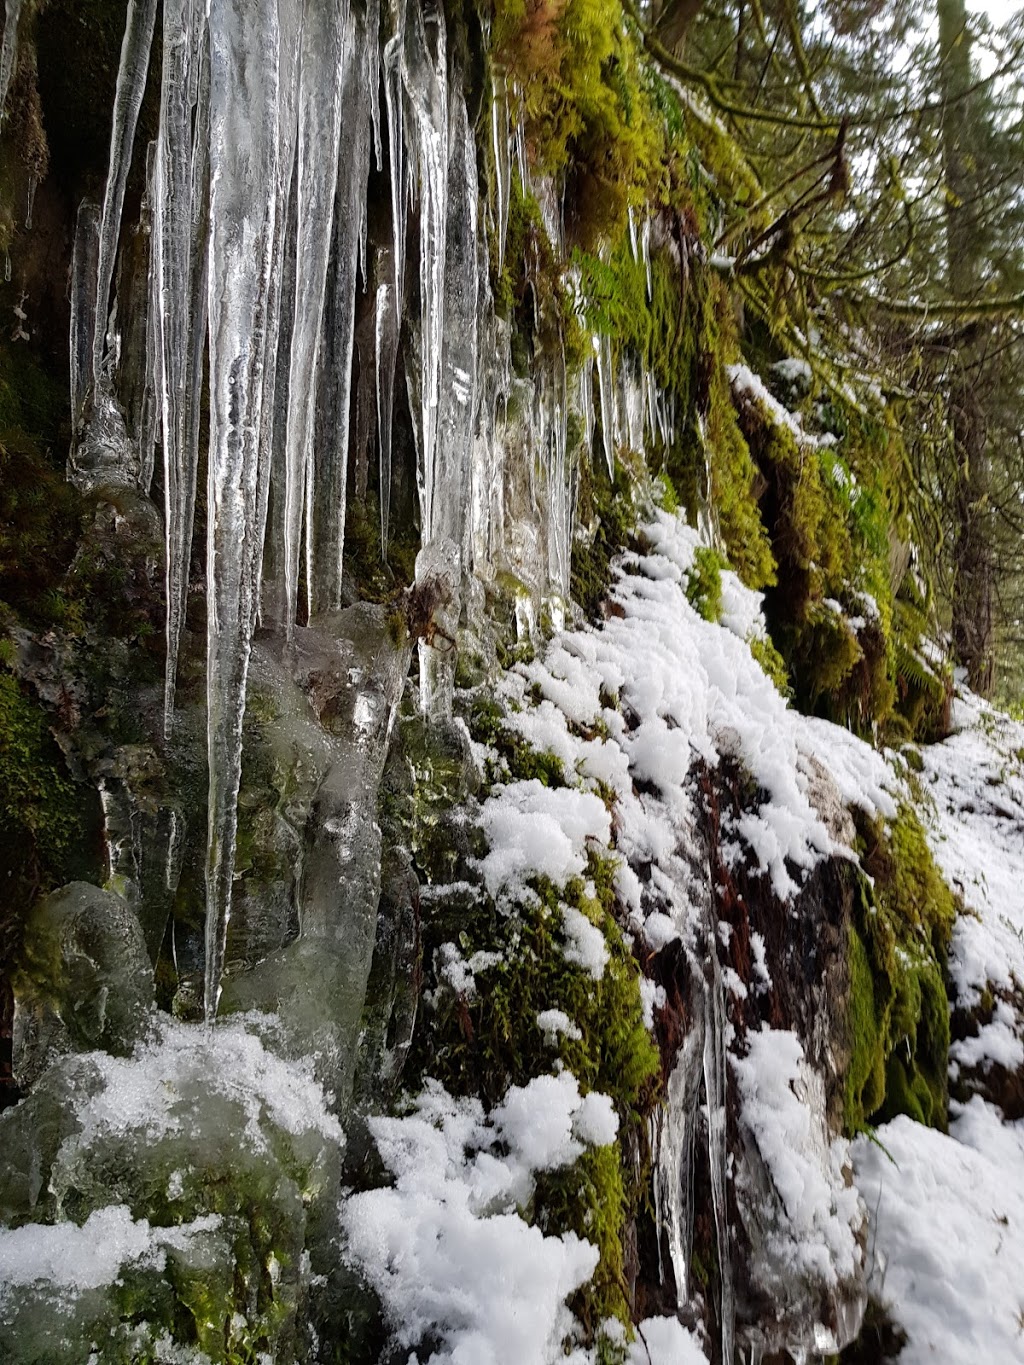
{"points": [[948, 1234], [948, 1211], [751, 386], [665, 1341], [446, 1248], [552, 1023], [975, 780], [583, 942], [70, 1259], [535, 830], [154, 1090]]}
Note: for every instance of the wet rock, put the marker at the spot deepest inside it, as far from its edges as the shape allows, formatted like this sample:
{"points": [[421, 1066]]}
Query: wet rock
{"points": [[86, 979]]}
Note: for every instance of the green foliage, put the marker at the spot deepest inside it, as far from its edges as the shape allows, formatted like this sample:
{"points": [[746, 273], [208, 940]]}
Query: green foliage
{"points": [[898, 1018]]}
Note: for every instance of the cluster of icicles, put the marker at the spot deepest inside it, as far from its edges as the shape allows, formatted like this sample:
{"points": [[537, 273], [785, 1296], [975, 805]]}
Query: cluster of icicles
{"points": [[256, 208]]}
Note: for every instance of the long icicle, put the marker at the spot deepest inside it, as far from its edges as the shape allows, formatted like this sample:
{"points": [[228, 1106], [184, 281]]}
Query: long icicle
{"points": [[244, 157], [332, 449], [175, 246], [131, 86], [324, 30]]}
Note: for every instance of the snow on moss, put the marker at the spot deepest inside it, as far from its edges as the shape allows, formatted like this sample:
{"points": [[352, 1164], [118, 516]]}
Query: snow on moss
{"points": [[446, 1247]]}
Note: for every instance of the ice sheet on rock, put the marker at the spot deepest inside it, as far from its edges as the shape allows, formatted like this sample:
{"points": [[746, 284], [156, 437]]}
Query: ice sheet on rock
{"points": [[155, 1089], [948, 1234], [446, 1248]]}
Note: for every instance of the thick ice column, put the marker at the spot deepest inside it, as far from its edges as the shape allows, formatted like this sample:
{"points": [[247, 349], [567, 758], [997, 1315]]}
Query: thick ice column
{"points": [[244, 163], [8, 50], [325, 37], [131, 86]]}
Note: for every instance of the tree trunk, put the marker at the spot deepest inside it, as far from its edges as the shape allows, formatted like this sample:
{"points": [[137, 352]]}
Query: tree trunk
{"points": [[973, 569]]}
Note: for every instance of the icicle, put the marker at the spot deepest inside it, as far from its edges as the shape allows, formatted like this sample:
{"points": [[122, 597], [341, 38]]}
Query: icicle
{"points": [[331, 467], [372, 50], [718, 1147], [131, 85], [386, 347], [559, 503], [7, 267], [427, 89], [645, 250], [502, 161], [452, 330], [325, 54], [244, 153], [280, 316], [631, 218], [83, 309], [8, 51], [676, 1131], [176, 255], [394, 95], [30, 201], [366, 403], [606, 391]]}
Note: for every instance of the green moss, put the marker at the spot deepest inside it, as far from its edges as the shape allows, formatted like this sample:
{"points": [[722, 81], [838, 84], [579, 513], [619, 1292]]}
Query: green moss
{"points": [[898, 1017], [771, 661], [43, 818], [588, 115], [704, 583], [482, 1042], [606, 517]]}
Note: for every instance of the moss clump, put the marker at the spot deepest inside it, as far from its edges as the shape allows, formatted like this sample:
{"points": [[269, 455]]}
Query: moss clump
{"points": [[898, 1016], [773, 665], [704, 584], [588, 115], [490, 1040], [606, 515], [45, 834]]}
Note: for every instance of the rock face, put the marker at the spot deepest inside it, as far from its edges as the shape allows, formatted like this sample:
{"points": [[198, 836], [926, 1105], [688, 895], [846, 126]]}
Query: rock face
{"points": [[378, 908]]}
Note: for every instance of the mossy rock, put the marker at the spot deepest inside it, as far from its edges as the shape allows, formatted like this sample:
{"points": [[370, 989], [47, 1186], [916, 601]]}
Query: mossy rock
{"points": [[898, 1014]]}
